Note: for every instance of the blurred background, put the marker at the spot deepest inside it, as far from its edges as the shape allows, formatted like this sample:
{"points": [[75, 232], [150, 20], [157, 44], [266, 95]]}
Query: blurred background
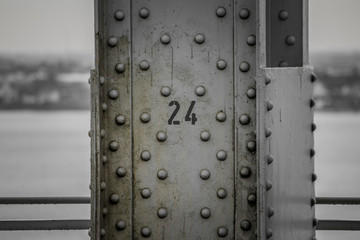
{"points": [[46, 52]]}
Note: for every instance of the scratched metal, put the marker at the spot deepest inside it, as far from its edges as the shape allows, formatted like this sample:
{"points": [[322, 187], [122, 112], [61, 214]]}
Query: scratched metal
{"points": [[290, 142], [183, 65]]}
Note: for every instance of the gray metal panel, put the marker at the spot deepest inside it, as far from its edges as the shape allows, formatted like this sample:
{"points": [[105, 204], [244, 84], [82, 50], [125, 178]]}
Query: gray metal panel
{"points": [[285, 140], [182, 65]]}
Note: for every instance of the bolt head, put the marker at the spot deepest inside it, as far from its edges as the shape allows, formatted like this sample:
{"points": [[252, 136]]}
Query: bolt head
{"points": [[267, 80], [251, 93], [121, 172], [251, 146], [251, 40], [268, 185], [114, 146], [112, 41], [269, 233], [268, 132], [114, 198], [161, 136], [222, 231], [165, 91], [144, 13], [205, 213], [220, 12], [162, 174], [119, 15], [244, 119], [244, 66], [270, 159], [102, 133], [102, 80], [104, 159], [120, 225], [165, 39], [145, 117], [205, 136], [244, 13], [145, 232], [290, 40], [271, 212], [162, 213], [144, 65], [221, 64], [221, 155], [251, 198], [146, 193], [221, 116], [313, 177], [245, 225], [245, 172], [283, 15], [145, 155], [199, 38], [204, 174], [102, 232], [105, 211], [102, 186], [104, 107], [200, 91], [221, 193], [313, 77], [120, 120], [269, 105], [113, 94], [120, 68]]}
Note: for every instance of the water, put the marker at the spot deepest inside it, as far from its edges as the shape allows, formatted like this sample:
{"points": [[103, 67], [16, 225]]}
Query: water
{"points": [[47, 154]]}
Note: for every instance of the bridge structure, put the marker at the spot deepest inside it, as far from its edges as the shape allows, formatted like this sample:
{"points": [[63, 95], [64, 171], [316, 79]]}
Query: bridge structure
{"points": [[201, 124]]}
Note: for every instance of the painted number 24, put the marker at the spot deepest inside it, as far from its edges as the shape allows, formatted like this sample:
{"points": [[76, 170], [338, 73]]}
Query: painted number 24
{"points": [[189, 116]]}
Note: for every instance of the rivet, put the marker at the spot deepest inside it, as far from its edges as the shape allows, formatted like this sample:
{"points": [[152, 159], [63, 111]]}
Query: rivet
{"points": [[144, 65], [313, 177], [104, 159], [200, 91], [102, 133], [119, 15], [251, 198], [205, 213], [313, 77], [114, 198], [221, 155], [89, 80], [268, 185], [270, 159], [283, 64], [221, 64], [245, 225], [205, 136], [269, 105], [120, 119], [145, 193], [105, 211], [220, 12], [244, 13], [162, 174], [312, 152], [161, 136], [102, 186], [313, 201], [144, 13], [315, 222], [145, 231], [283, 15], [267, 80], [313, 127], [121, 172], [290, 40], [145, 155], [244, 66], [199, 38], [269, 233], [89, 133], [114, 146], [268, 132], [145, 117], [162, 212], [312, 102], [165, 39], [165, 91], [222, 231], [244, 119], [120, 68], [104, 107], [204, 174], [221, 193], [102, 80], [251, 146], [89, 232], [245, 172], [221, 116], [251, 40], [102, 232], [113, 94], [251, 93], [120, 225], [271, 212], [112, 41]]}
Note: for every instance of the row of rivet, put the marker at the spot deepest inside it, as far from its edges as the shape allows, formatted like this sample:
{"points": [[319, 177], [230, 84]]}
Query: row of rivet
{"points": [[313, 78]]}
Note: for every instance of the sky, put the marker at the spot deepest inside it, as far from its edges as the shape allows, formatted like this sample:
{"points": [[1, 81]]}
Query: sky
{"points": [[66, 26]]}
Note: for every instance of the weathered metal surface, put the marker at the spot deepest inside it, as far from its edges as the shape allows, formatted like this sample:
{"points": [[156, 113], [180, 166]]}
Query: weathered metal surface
{"points": [[27, 225]]}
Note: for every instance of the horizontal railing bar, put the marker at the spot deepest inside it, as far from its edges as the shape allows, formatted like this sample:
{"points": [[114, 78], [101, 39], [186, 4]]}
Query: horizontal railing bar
{"points": [[338, 200], [28, 225], [338, 225], [44, 200]]}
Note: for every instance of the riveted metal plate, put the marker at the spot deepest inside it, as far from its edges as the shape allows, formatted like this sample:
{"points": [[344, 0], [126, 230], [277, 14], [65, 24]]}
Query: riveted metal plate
{"points": [[286, 140]]}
